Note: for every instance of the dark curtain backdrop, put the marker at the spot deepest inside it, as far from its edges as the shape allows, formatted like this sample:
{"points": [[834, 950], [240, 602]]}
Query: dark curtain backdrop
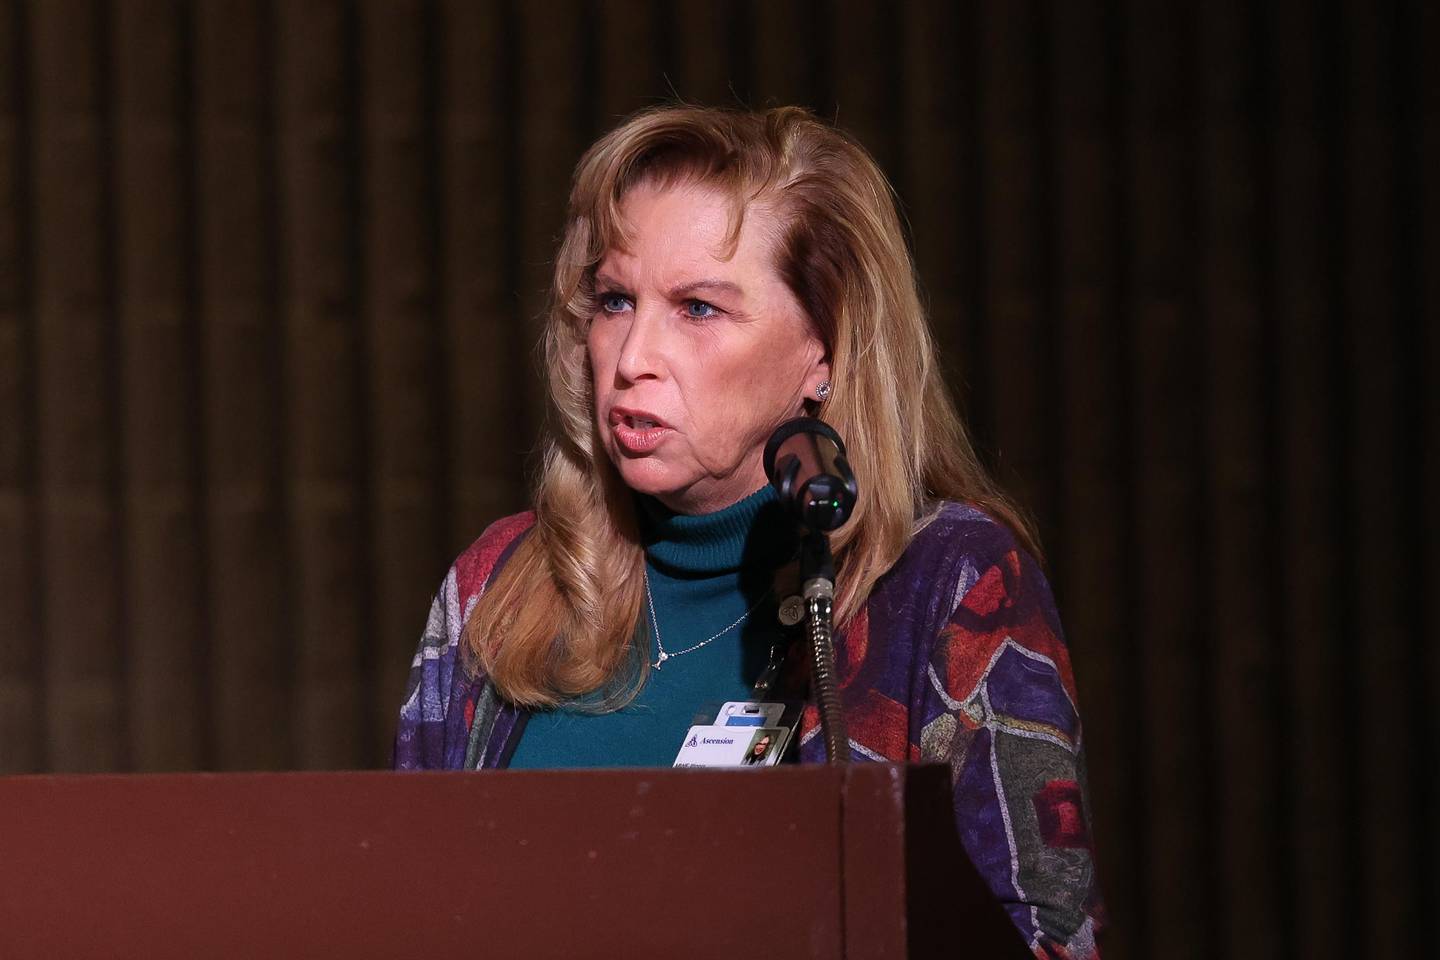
{"points": [[268, 281]]}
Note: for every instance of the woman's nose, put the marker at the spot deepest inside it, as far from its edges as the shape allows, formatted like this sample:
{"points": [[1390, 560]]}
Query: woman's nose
{"points": [[642, 352]]}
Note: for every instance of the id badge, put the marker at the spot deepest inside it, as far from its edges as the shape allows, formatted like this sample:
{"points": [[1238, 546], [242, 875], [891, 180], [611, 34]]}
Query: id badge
{"points": [[740, 733], [732, 746]]}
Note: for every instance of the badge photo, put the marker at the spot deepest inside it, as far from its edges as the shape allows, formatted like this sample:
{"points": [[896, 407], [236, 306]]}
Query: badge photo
{"points": [[765, 747]]}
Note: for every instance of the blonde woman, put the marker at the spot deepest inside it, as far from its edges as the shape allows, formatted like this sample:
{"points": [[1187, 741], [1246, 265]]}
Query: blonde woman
{"points": [[722, 272]]}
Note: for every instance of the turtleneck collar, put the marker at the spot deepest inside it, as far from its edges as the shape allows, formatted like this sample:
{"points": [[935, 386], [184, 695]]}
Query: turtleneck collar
{"points": [[752, 531]]}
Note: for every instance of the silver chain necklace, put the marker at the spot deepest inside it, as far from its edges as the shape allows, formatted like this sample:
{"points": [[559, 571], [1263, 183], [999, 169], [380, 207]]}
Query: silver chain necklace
{"points": [[655, 624]]}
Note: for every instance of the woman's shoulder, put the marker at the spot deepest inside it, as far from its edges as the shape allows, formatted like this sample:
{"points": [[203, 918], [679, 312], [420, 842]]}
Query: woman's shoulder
{"points": [[472, 569], [976, 556], [953, 525], [953, 534]]}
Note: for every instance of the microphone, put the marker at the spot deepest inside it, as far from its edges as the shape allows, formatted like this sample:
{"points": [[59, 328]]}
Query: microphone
{"points": [[805, 461]]}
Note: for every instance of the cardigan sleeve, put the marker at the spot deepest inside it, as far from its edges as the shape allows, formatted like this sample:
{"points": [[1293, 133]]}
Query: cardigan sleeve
{"points": [[437, 711], [420, 732], [1001, 709]]}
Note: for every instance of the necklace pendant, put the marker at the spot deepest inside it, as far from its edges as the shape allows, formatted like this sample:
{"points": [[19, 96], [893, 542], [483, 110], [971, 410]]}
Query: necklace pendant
{"points": [[661, 659]]}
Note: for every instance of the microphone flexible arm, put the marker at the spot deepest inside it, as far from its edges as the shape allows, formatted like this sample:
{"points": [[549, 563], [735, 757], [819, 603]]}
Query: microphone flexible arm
{"points": [[819, 592]]}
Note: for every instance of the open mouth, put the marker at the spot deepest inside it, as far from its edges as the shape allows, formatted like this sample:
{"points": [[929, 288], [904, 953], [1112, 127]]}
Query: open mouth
{"points": [[635, 419], [637, 431]]}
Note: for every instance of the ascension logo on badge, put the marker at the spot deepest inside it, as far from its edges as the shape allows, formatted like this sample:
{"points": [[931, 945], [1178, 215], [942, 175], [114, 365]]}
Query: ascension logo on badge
{"points": [[691, 742]]}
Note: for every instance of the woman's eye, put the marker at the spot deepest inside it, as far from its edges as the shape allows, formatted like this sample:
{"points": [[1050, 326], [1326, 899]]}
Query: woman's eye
{"points": [[614, 302], [699, 310]]}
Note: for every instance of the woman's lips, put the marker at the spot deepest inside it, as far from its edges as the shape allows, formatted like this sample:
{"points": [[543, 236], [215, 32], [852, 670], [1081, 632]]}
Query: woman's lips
{"points": [[637, 431]]}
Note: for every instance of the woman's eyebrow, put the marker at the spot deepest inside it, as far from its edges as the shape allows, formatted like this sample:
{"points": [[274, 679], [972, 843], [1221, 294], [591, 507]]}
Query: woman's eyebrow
{"points": [[607, 282], [723, 286]]}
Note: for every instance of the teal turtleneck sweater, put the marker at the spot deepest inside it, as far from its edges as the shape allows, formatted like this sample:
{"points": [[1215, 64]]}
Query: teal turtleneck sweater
{"points": [[705, 572]]}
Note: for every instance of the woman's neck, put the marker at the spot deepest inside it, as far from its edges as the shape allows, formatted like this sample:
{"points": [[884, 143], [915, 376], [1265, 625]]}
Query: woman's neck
{"points": [[753, 532]]}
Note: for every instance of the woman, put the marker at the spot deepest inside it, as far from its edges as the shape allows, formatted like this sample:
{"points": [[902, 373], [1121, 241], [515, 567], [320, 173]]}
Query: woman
{"points": [[720, 273]]}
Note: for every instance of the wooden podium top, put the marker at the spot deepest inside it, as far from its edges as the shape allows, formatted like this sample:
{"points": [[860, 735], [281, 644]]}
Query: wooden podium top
{"points": [[821, 862]]}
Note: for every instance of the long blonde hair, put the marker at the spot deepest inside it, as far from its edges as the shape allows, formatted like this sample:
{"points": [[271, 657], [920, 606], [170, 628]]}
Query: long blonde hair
{"points": [[560, 618]]}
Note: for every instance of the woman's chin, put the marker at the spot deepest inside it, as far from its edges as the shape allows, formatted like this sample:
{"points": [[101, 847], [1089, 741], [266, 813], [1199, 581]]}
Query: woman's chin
{"points": [[645, 475]]}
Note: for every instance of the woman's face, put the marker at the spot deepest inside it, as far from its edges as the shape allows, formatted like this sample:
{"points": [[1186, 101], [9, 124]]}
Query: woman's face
{"points": [[696, 359]]}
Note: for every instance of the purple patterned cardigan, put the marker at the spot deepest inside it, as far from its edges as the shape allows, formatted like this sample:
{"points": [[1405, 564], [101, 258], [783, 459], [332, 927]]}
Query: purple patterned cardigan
{"points": [[956, 657]]}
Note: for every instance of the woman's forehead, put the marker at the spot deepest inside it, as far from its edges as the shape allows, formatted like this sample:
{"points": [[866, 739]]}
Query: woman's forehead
{"points": [[685, 228]]}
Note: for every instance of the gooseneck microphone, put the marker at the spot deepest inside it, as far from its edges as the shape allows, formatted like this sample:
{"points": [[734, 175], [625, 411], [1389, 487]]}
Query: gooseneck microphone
{"points": [[805, 461]]}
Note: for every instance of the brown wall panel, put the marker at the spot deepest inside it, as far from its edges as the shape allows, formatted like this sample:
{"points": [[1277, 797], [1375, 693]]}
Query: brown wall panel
{"points": [[405, 389], [700, 56], [1231, 232], [1166, 411], [325, 344], [864, 40], [1306, 411], [1012, 93], [1376, 566], [552, 112], [249, 575], [484, 365], [21, 694], [1423, 42], [81, 586], [938, 176], [1089, 557], [626, 52], [787, 63], [163, 548]]}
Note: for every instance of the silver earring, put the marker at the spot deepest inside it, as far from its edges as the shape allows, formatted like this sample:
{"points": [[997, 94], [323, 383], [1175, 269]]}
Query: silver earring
{"points": [[822, 392]]}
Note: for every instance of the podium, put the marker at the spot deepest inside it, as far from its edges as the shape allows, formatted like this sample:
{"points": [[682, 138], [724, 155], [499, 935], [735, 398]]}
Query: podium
{"points": [[790, 862]]}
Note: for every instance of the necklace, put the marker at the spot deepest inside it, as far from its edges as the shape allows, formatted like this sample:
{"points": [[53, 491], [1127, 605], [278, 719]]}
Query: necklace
{"points": [[655, 624]]}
